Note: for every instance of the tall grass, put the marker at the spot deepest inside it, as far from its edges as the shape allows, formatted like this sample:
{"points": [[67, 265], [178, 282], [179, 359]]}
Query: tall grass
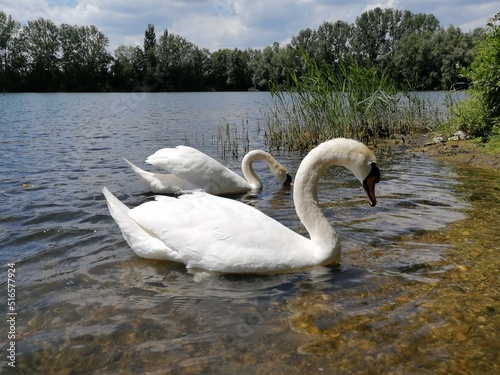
{"points": [[356, 102], [232, 141]]}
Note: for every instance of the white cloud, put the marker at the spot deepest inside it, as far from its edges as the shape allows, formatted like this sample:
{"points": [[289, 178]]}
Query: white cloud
{"points": [[216, 24]]}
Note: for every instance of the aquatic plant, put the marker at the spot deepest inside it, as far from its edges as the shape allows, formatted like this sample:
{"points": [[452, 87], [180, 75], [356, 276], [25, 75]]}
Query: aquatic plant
{"points": [[355, 101], [233, 141]]}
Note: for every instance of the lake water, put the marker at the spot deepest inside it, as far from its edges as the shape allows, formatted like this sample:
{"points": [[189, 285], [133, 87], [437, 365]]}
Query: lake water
{"points": [[84, 303]]}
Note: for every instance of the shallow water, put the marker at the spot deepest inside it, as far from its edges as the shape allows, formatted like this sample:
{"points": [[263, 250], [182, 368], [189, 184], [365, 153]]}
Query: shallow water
{"points": [[85, 303]]}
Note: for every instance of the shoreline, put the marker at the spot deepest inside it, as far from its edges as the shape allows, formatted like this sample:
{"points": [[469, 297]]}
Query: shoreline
{"points": [[460, 152]]}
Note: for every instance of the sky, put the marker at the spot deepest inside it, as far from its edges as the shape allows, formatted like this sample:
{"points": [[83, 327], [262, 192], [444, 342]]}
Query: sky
{"points": [[242, 24]]}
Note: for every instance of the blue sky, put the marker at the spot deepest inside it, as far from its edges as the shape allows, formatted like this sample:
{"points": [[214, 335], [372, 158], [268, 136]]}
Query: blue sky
{"points": [[215, 24]]}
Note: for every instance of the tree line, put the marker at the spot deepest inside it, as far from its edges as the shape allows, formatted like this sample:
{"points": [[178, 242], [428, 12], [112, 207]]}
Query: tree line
{"points": [[411, 48]]}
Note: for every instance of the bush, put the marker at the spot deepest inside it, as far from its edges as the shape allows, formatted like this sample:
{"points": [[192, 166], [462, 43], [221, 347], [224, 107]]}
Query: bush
{"points": [[471, 116], [480, 115]]}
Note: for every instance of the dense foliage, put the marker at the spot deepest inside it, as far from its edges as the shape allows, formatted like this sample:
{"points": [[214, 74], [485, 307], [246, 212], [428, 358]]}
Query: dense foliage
{"points": [[411, 48], [479, 114]]}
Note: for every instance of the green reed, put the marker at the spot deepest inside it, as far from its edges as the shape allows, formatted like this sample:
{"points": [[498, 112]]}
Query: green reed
{"points": [[355, 101], [233, 140]]}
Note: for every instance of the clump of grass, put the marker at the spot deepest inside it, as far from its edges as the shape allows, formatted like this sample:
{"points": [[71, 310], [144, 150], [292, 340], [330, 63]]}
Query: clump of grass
{"points": [[493, 146], [471, 116], [232, 140], [357, 102]]}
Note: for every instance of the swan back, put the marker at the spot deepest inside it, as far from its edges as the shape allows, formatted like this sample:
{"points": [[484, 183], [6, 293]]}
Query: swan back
{"points": [[216, 234], [199, 169]]}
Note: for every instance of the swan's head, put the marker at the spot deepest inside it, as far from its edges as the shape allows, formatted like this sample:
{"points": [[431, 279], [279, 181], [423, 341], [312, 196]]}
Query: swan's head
{"points": [[278, 170], [281, 173], [363, 165]]}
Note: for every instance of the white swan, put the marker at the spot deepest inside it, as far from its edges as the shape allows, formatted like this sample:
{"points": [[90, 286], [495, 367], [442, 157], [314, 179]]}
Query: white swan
{"points": [[193, 170], [211, 234]]}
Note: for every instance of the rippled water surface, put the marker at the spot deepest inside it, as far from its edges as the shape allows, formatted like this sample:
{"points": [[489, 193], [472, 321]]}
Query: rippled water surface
{"points": [[86, 304]]}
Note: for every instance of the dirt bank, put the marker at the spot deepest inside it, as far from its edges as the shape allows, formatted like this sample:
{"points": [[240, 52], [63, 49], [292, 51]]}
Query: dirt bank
{"points": [[458, 152]]}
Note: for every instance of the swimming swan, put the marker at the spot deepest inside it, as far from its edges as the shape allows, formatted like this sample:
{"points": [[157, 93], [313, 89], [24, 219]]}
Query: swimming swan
{"points": [[193, 170], [211, 234]]}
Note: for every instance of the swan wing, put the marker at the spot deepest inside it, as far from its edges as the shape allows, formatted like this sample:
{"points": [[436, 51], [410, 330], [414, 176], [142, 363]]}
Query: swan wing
{"points": [[216, 234], [199, 169]]}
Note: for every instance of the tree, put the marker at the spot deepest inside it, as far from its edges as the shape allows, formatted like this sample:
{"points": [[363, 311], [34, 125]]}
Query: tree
{"points": [[8, 30], [419, 23], [371, 32], [411, 48], [412, 64], [180, 64], [256, 69], [237, 77], [484, 71], [333, 41], [38, 44], [451, 49], [219, 62], [84, 60], [377, 33], [480, 113], [128, 69], [150, 51], [303, 43]]}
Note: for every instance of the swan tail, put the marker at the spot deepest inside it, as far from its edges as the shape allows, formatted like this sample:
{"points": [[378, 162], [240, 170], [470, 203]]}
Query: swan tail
{"points": [[143, 243], [147, 178], [161, 183], [116, 208], [136, 169]]}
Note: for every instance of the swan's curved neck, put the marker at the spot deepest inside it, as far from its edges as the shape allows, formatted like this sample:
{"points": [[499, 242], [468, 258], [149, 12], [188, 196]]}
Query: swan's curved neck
{"points": [[247, 168], [306, 201]]}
